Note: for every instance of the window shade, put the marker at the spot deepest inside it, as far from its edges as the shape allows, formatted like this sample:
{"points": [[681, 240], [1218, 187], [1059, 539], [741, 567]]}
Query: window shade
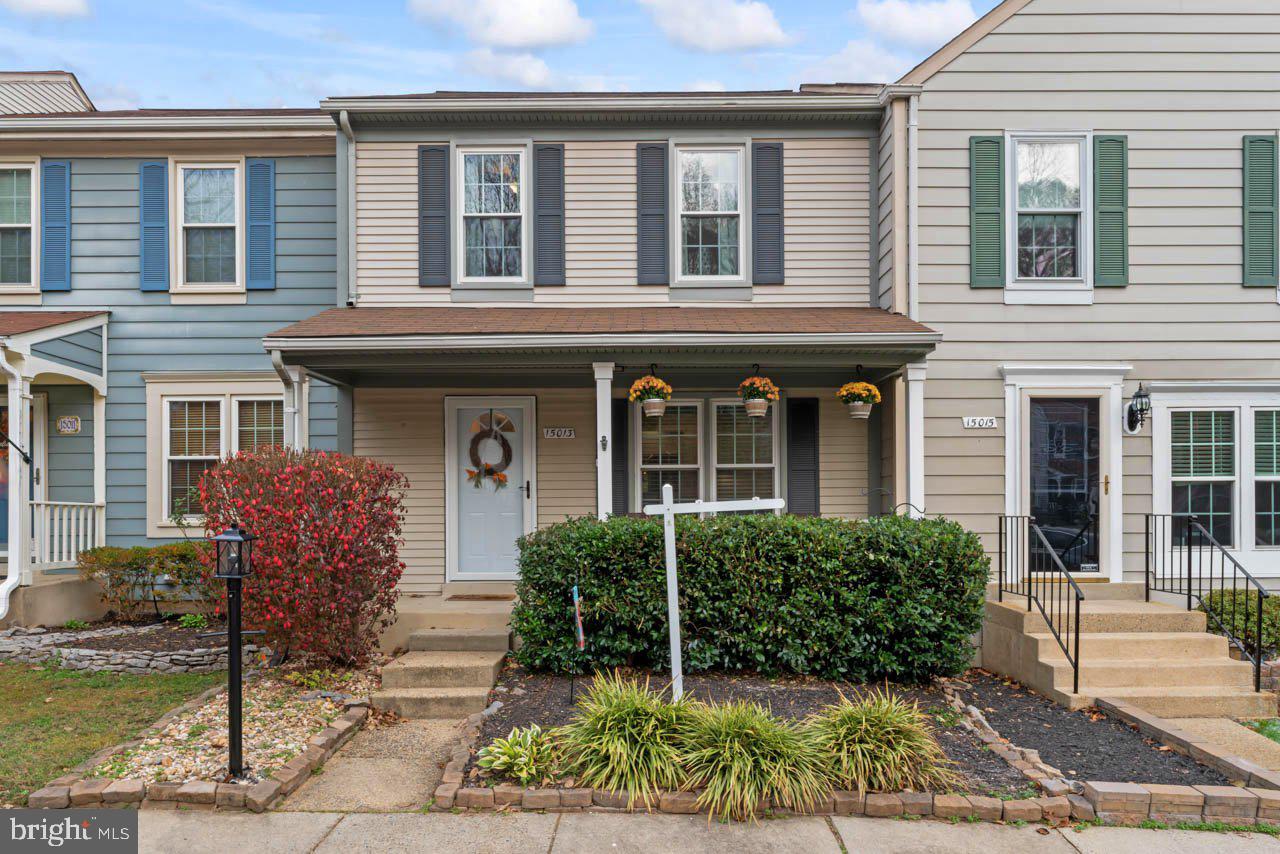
{"points": [[1266, 442], [1203, 444]]}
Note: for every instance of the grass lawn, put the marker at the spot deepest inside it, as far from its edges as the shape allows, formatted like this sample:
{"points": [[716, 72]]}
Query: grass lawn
{"points": [[53, 719], [1270, 727]]}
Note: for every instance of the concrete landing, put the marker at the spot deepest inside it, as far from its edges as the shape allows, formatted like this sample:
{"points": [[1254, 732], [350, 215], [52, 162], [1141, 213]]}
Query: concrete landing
{"points": [[1238, 739]]}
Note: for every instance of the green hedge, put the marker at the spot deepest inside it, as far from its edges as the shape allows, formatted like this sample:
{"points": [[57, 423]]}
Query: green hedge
{"points": [[887, 597], [1238, 613]]}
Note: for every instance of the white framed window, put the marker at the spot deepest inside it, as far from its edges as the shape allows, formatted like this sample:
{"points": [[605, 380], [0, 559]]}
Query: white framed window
{"points": [[258, 423], [493, 235], [19, 227], [1266, 478], [208, 238], [746, 452], [194, 441], [1202, 468], [710, 228], [1049, 227], [669, 450]]}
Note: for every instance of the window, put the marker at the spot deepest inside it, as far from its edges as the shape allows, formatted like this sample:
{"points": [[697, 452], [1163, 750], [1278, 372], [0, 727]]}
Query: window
{"points": [[710, 183], [493, 215], [259, 423], [193, 440], [745, 454], [1049, 189], [1203, 469], [209, 219], [17, 230], [670, 453], [1266, 477]]}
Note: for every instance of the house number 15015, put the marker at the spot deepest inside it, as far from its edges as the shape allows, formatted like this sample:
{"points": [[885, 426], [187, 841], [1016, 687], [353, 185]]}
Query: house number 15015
{"points": [[979, 422]]}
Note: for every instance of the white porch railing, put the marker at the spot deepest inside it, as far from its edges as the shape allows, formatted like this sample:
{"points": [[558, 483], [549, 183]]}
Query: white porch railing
{"points": [[63, 529]]}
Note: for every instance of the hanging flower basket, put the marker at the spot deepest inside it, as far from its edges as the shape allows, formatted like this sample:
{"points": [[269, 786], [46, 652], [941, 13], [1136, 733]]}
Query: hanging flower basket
{"points": [[652, 393], [757, 393], [860, 397]]}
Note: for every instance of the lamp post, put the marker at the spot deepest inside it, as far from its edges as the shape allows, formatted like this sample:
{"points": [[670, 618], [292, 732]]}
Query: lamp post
{"points": [[235, 563]]}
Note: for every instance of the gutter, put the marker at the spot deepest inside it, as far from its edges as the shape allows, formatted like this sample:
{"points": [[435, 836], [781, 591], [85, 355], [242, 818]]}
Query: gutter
{"points": [[290, 400], [88, 121], [13, 566], [603, 103], [344, 123]]}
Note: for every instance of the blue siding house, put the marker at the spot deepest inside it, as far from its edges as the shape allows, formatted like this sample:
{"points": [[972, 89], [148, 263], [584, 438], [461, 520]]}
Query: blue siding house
{"points": [[143, 256]]}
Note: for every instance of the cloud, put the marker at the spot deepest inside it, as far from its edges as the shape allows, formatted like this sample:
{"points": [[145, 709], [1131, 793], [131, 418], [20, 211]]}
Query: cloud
{"points": [[717, 26], [860, 61], [523, 69], [54, 8], [705, 86], [920, 23], [503, 23]]}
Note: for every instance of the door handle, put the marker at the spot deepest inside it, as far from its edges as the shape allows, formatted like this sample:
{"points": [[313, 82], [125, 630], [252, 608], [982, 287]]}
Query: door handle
{"points": [[528, 491], [1106, 485]]}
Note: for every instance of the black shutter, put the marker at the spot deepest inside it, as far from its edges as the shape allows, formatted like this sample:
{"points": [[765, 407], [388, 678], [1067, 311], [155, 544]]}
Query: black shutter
{"points": [[621, 462], [766, 213], [652, 266], [802, 456], [433, 216], [548, 215]]}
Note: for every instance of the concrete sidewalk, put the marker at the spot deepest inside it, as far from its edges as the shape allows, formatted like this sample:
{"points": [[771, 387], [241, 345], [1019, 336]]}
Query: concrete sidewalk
{"points": [[217, 833]]}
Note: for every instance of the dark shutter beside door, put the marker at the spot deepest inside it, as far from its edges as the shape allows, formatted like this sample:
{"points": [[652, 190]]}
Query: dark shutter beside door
{"points": [[548, 214], [986, 211], [652, 264], [433, 216], [766, 213], [802, 456], [153, 221], [621, 460]]}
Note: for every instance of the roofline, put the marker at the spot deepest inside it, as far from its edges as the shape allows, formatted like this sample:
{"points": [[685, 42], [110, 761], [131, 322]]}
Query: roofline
{"points": [[943, 56], [94, 122], [56, 74], [788, 101], [615, 341]]}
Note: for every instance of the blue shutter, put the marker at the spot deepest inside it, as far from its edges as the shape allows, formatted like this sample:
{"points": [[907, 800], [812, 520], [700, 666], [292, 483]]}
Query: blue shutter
{"points": [[652, 266], [153, 225], [433, 216], [260, 196], [766, 213], [548, 214], [55, 225]]}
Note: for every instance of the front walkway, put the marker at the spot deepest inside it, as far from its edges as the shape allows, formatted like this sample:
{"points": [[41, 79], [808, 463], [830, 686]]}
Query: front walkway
{"points": [[534, 833]]}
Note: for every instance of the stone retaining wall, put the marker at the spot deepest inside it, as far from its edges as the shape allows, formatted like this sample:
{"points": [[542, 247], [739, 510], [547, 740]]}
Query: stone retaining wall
{"points": [[34, 646]]}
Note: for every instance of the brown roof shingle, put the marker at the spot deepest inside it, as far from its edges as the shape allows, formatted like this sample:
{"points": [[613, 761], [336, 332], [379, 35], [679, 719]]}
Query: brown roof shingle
{"points": [[467, 320], [18, 322]]}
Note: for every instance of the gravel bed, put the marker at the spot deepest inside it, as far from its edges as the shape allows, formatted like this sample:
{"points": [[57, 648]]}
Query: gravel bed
{"points": [[537, 698], [1083, 745]]}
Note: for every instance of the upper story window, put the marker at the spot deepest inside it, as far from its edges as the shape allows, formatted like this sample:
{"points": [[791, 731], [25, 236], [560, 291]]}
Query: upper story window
{"points": [[17, 229], [493, 209], [1049, 209], [710, 199], [209, 226]]}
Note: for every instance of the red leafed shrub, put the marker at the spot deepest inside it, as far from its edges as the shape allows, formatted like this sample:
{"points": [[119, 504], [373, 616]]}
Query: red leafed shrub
{"points": [[325, 564]]}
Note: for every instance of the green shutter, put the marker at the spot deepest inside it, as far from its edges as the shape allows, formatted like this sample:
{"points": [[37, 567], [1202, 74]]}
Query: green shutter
{"points": [[1110, 211], [1261, 266], [986, 211]]}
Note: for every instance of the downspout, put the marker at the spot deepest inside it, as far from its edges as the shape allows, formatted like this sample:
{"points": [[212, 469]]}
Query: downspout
{"points": [[291, 425], [344, 122], [13, 566], [913, 207]]}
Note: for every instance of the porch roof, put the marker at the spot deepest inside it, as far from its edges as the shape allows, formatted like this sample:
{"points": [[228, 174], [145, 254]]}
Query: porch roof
{"points": [[22, 322]]}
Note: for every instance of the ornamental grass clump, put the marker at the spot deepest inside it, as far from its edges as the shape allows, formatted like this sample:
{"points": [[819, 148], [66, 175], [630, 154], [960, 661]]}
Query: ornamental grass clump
{"points": [[528, 755], [739, 754], [881, 743], [624, 738]]}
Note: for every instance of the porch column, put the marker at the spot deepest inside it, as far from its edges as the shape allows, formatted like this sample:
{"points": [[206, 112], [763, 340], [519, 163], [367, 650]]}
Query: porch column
{"points": [[604, 437], [99, 468], [19, 402], [915, 437]]}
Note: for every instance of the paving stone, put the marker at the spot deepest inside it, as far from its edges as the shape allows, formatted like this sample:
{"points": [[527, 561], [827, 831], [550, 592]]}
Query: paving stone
{"points": [[260, 795], [1172, 818], [88, 792], [540, 799], [163, 791], [848, 803], [1229, 801], [1127, 819], [50, 798], [685, 803], [951, 806], [149, 804], [127, 791], [1117, 797], [474, 797], [231, 795], [1268, 803], [880, 804], [1022, 810], [575, 797], [198, 792], [1055, 808], [1166, 798], [291, 776], [1081, 809], [446, 794], [1055, 788], [987, 809], [916, 803], [507, 794]]}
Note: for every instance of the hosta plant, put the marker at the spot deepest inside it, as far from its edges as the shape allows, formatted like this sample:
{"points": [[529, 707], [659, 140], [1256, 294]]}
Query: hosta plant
{"points": [[881, 743], [623, 737], [739, 754], [526, 755]]}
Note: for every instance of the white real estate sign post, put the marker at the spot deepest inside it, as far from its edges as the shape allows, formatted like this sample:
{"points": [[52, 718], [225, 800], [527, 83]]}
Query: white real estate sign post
{"points": [[668, 510]]}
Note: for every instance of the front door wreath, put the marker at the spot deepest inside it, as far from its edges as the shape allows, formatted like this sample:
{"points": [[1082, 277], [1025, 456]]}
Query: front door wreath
{"points": [[481, 470]]}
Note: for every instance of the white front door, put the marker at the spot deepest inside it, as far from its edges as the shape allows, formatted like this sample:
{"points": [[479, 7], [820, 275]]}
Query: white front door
{"points": [[490, 496]]}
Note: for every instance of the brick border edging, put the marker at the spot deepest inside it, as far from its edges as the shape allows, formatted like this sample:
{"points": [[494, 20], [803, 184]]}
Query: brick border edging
{"points": [[75, 790]]}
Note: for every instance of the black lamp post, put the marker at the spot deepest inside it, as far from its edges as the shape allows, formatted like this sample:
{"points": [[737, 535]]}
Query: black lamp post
{"points": [[235, 563]]}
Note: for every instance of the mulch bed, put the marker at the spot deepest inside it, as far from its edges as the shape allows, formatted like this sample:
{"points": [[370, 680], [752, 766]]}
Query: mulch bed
{"points": [[160, 637], [537, 698], [1084, 745]]}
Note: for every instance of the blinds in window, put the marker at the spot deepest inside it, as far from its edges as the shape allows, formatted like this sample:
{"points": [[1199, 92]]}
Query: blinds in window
{"points": [[259, 424], [1203, 444], [1266, 442]]}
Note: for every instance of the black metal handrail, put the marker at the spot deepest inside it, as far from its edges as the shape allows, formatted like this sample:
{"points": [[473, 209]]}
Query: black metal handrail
{"points": [[1030, 567], [1203, 570]]}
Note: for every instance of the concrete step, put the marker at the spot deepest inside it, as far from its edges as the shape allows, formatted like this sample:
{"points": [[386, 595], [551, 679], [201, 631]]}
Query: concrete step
{"points": [[449, 703], [460, 640], [1127, 591], [442, 669], [1122, 646], [1197, 701], [1099, 676], [1100, 616]]}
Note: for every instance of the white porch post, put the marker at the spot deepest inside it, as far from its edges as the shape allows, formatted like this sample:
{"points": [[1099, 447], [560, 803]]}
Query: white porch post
{"points": [[19, 400], [604, 438], [99, 468], [915, 437]]}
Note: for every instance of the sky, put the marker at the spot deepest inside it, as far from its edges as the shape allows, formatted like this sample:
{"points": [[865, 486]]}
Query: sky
{"points": [[286, 53]]}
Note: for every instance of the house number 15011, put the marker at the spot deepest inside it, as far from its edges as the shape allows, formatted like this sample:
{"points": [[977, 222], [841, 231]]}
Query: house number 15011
{"points": [[979, 422]]}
